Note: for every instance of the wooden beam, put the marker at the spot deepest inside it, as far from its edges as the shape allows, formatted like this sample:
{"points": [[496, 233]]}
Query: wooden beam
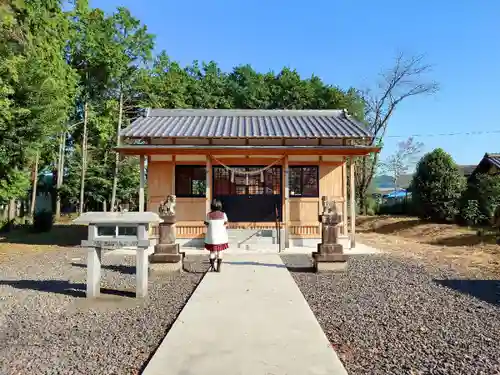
{"points": [[200, 150], [244, 161]]}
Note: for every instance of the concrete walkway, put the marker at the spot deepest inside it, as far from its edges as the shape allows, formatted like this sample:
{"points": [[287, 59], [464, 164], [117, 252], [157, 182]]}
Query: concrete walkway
{"points": [[250, 319]]}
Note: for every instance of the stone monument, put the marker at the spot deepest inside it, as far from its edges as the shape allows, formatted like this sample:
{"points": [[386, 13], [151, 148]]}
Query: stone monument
{"points": [[330, 255], [166, 256]]}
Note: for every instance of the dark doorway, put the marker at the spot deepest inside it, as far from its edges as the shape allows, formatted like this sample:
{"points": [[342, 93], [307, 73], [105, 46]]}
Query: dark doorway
{"points": [[249, 196]]}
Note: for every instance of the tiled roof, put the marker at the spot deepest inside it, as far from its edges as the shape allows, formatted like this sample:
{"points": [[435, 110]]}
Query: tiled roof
{"points": [[493, 159], [229, 123]]}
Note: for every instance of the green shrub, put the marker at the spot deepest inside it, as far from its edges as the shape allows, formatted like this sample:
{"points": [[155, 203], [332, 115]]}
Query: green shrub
{"points": [[7, 225], [43, 221], [437, 187], [480, 199], [470, 214], [371, 206]]}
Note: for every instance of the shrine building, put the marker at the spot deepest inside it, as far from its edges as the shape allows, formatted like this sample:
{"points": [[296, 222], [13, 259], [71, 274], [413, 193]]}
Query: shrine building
{"points": [[269, 168]]}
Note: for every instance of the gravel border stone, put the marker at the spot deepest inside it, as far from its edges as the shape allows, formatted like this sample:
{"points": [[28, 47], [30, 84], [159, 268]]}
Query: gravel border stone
{"points": [[387, 315], [47, 326]]}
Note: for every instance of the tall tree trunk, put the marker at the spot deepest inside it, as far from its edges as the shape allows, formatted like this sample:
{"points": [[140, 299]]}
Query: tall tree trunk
{"points": [[60, 173], [11, 214], [361, 201], [84, 156], [117, 155], [35, 183]]}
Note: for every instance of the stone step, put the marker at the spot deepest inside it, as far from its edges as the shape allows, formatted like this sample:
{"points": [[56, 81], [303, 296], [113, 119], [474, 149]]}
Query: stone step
{"points": [[251, 233]]}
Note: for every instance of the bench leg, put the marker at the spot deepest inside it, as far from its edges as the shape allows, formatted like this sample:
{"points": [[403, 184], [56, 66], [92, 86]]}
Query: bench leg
{"points": [[93, 272], [141, 273]]}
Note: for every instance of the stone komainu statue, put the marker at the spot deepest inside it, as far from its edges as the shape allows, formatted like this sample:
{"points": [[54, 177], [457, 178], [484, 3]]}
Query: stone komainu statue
{"points": [[167, 207], [329, 207]]}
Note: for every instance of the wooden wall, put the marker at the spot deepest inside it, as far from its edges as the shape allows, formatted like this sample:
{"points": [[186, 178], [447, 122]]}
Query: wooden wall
{"points": [[303, 221], [304, 212], [160, 183]]}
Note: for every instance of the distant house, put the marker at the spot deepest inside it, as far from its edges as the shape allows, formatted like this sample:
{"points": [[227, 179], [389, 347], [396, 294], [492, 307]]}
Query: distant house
{"points": [[490, 163]]}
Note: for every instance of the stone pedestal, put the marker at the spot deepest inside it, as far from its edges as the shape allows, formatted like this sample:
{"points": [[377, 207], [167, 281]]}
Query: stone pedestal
{"points": [[330, 256], [166, 256]]}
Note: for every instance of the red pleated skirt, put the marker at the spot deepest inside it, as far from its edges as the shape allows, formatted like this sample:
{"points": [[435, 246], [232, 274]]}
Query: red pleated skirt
{"points": [[218, 247]]}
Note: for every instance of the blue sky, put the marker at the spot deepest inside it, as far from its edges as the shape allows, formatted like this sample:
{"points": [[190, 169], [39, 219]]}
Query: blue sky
{"points": [[347, 43]]}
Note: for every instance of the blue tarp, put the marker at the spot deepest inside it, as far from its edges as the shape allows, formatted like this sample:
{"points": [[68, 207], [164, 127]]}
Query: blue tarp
{"points": [[397, 194]]}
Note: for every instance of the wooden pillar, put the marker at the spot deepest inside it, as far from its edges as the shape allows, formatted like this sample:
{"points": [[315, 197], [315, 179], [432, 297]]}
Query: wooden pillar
{"points": [[286, 198], [208, 189], [352, 183], [141, 184], [344, 205], [173, 176]]}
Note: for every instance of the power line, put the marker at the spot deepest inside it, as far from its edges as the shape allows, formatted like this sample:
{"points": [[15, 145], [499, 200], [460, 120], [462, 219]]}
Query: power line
{"points": [[445, 134]]}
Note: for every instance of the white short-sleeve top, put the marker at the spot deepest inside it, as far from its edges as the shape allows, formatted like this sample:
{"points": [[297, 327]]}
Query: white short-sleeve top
{"points": [[216, 228]]}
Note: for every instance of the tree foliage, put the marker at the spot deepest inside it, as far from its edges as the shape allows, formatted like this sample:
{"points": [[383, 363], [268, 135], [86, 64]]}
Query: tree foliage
{"points": [[58, 63], [480, 199], [37, 87], [437, 186]]}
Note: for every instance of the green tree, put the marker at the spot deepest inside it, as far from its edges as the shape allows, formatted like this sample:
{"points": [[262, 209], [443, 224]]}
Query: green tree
{"points": [[133, 45], [483, 192], [248, 89], [37, 87], [437, 186], [206, 86], [89, 53], [163, 85], [107, 52]]}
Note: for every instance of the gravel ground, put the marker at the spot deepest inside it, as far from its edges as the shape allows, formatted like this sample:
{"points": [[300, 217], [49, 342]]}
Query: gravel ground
{"points": [[391, 316], [48, 327]]}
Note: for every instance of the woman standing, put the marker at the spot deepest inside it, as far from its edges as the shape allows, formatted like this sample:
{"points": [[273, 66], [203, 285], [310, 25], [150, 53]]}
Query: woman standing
{"points": [[216, 239]]}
